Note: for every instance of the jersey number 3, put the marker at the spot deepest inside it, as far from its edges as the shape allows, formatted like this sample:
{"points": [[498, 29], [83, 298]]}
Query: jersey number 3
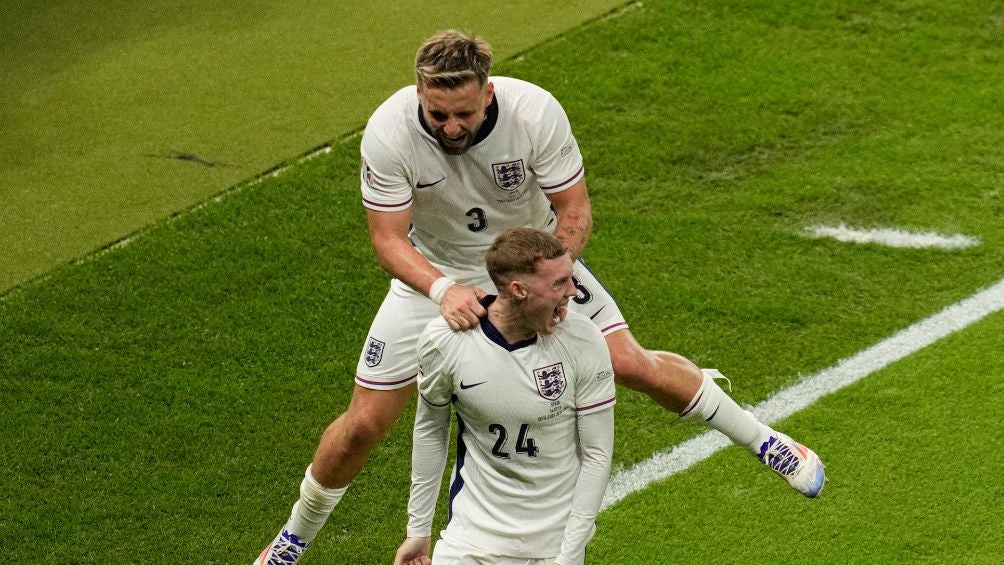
{"points": [[523, 444], [480, 222]]}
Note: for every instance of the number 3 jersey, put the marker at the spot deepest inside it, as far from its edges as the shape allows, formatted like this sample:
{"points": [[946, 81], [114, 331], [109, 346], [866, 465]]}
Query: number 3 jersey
{"points": [[460, 203], [517, 441]]}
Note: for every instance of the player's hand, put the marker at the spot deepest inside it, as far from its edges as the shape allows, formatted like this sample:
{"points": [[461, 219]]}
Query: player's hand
{"points": [[460, 306], [414, 551]]}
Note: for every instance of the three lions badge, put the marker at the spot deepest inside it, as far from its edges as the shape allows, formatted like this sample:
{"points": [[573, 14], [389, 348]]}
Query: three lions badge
{"points": [[374, 352], [550, 381], [508, 176]]}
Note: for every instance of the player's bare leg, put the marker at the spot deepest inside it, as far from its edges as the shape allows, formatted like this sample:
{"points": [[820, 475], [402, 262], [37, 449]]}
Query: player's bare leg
{"points": [[679, 385], [343, 450], [347, 442]]}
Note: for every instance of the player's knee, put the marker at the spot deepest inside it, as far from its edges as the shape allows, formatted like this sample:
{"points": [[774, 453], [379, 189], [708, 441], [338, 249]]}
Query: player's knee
{"points": [[364, 429]]}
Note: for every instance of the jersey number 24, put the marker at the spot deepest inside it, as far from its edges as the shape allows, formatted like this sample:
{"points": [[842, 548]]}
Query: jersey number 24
{"points": [[524, 444]]}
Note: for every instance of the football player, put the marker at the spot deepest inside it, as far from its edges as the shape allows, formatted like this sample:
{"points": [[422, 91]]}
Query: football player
{"points": [[533, 391]]}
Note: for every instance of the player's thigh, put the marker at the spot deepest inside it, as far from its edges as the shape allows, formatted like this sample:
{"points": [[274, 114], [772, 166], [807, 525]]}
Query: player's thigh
{"points": [[389, 358], [594, 301]]}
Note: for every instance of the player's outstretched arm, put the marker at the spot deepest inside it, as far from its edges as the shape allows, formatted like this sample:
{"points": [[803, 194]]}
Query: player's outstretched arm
{"points": [[414, 551]]}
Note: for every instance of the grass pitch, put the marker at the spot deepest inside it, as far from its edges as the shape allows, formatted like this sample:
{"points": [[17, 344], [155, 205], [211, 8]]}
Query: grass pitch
{"points": [[162, 399], [116, 114]]}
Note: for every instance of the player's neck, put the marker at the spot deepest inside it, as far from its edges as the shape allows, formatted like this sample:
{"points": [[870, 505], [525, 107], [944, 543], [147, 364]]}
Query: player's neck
{"points": [[508, 322]]}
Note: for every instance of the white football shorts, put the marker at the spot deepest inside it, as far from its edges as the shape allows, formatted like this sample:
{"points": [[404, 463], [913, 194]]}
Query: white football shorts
{"points": [[389, 359]]}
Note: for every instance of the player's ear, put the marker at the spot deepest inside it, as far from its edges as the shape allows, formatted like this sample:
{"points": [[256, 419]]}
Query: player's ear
{"points": [[518, 290], [489, 93]]}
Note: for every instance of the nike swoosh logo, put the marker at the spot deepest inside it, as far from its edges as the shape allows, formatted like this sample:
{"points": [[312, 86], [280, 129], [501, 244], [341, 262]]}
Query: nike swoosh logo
{"points": [[420, 185], [465, 387]]}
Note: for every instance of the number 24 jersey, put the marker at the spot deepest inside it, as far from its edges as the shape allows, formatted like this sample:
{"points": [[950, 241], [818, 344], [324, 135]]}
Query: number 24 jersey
{"points": [[517, 445]]}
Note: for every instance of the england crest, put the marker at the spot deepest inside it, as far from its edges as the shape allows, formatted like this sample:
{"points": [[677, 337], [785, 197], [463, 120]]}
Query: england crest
{"points": [[374, 352], [509, 176], [550, 381], [366, 174]]}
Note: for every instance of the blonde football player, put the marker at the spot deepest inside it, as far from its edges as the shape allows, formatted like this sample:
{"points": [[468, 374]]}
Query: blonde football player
{"points": [[533, 392]]}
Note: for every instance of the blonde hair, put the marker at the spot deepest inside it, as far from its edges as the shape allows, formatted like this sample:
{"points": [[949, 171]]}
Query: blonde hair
{"points": [[453, 58], [516, 251]]}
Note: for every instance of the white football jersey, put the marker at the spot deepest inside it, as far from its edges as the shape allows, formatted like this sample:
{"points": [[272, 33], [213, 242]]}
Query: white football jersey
{"points": [[460, 203], [517, 445]]}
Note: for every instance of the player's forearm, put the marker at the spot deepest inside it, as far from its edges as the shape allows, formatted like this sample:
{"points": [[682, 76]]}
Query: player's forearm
{"points": [[575, 217], [402, 261], [596, 445], [574, 226], [428, 461], [396, 254]]}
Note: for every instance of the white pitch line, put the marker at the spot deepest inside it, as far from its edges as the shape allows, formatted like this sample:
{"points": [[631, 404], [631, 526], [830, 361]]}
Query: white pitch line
{"points": [[791, 400], [895, 237]]}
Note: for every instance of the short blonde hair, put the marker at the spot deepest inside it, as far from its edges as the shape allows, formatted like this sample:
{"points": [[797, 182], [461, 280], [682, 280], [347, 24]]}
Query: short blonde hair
{"points": [[516, 251], [453, 58]]}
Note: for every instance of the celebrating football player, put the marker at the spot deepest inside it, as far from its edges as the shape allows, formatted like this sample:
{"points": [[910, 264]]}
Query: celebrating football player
{"points": [[533, 390]]}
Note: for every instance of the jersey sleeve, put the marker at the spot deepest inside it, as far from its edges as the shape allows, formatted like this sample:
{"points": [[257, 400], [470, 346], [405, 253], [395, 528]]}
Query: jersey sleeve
{"points": [[557, 160], [383, 175], [596, 445], [431, 433], [435, 377], [594, 388]]}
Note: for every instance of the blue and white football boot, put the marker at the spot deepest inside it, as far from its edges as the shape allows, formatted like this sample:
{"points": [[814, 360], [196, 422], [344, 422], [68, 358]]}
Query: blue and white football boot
{"points": [[285, 549], [795, 463]]}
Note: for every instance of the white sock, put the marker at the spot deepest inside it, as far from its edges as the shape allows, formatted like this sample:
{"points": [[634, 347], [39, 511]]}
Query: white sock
{"points": [[712, 406], [312, 510]]}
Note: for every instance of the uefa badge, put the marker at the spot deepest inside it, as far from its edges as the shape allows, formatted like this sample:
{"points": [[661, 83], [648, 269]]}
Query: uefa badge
{"points": [[374, 352], [508, 176], [550, 381]]}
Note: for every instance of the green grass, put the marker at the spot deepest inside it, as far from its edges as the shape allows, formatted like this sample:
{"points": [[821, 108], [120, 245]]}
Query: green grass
{"points": [[163, 398], [910, 468], [120, 113]]}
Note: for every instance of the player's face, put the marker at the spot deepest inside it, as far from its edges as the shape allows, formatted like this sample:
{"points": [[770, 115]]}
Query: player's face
{"points": [[455, 114], [548, 291]]}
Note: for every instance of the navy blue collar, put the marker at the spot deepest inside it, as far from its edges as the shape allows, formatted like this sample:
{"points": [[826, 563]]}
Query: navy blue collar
{"points": [[493, 333]]}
